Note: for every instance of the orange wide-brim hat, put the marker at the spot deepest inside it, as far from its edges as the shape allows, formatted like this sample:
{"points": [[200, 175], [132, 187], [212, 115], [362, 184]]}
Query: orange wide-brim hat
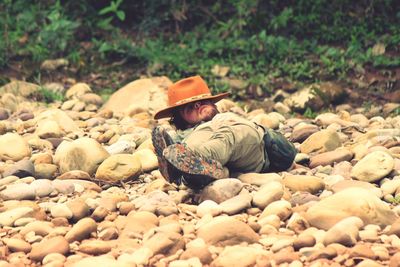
{"points": [[185, 91]]}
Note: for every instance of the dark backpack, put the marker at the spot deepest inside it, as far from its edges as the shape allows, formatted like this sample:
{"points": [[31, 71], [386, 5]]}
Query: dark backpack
{"points": [[280, 151]]}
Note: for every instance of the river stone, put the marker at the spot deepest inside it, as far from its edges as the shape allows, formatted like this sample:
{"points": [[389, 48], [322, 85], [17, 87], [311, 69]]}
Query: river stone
{"points": [[64, 187], [61, 210], [95, 247], [236, 204], [331, 157], [208, 207], [267, 194], [22, 168], [342, 185], [281, 208], [322, 141], [304, 183], [83, 154], [9, 101], [42, 187], [91, 98], [221, 190], [143, 94], [38, 227], [64, 122], [7, 218], [81, 230], [165, 243], [390, 187], [56, 244], [48, 128], [373, 167], [304, 240], [315, 96], [119, 167], [77, 90], [4, 113], [86, 185], [45, 171], [138, 222], [8, 180], [42, 158], [267, 121], [259, 178], [74, 174], [345, 232], [197, 248], [18, 192], [350, 202], [19, 149], [19, 88], [79, 209], [99, 261], [17, 245], [121, 147], [238, 256], [147, 158], [302, 131], [225, 231]]}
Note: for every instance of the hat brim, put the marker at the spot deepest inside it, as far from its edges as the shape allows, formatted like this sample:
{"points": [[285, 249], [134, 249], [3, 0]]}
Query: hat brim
{"points": [[167, 112]]}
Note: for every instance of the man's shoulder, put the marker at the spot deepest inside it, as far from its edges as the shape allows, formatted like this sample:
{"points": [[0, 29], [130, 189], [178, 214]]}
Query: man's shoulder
{"points": [[229, 118]]}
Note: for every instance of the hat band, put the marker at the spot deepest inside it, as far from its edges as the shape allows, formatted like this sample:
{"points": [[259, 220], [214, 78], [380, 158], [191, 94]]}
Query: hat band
{"points": [[190, 99]]}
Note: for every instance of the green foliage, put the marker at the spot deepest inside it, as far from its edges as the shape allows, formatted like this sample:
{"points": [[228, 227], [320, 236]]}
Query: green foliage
{"points": [[258, 40], [49, 96], [34, 30], [113, 10], [396, 111], [309, 113]]}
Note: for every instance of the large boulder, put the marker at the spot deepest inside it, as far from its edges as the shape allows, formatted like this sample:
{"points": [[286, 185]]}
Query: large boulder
{"points": [[350, 202], [19, 88], [13, 147], [83, 154], [17, 95], [140, 95]]}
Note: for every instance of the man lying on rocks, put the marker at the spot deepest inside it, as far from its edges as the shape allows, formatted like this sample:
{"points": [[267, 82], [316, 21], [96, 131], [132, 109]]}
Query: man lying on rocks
{"points": [[208, 145]]}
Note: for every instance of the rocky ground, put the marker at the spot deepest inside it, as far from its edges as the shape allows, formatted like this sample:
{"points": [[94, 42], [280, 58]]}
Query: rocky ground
{"points": [[80, 186]]}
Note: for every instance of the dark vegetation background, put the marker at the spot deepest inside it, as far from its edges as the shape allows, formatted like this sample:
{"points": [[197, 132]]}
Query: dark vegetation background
{"points": [[264, 44]]}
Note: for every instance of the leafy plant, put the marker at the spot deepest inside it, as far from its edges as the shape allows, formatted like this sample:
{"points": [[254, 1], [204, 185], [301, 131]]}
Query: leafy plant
{"points": [[113, 10], [309, 113], [49, 96]]}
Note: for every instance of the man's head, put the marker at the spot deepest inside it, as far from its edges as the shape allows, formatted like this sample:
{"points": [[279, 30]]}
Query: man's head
{"points": [[195, 112], [190, 100]]}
